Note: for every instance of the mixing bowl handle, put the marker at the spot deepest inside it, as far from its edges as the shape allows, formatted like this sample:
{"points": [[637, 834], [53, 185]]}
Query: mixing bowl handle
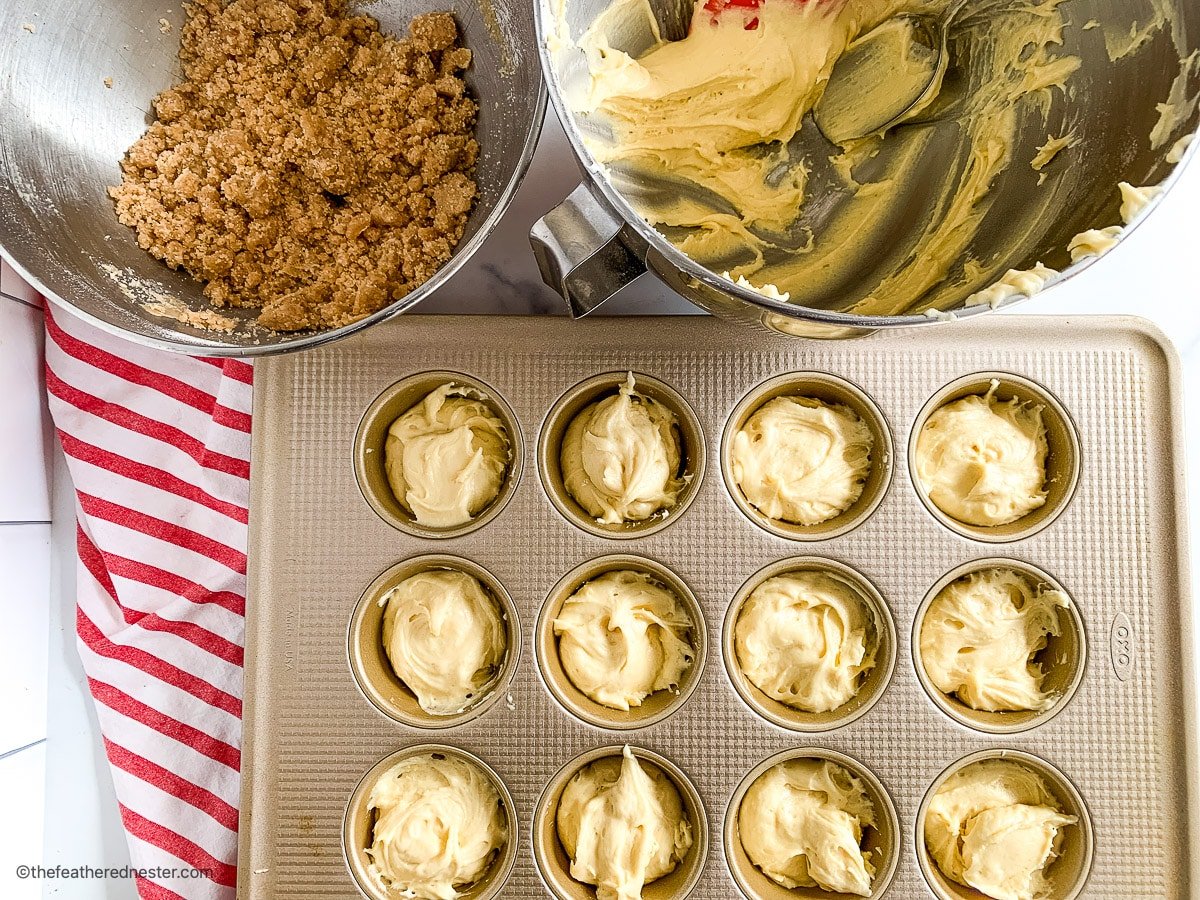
{"points": [[580, 252]]}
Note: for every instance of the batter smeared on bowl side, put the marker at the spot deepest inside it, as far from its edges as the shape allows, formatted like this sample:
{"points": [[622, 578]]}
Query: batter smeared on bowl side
{"points": [[709, 137]]}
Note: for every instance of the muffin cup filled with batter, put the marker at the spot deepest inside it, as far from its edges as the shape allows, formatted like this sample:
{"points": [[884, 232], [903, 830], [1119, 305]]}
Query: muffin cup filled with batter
{"points": [[550, 854], [642, 495], [659, 703], [1019, 792], [378, 449], [991, 481], [877, 646], [377, 675], [880, 843], [471, 836], [831, 465], [1043, 691]]}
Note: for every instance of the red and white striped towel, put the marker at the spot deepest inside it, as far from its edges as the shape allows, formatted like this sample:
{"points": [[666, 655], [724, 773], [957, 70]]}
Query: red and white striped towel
{"points": [[158, 446]]}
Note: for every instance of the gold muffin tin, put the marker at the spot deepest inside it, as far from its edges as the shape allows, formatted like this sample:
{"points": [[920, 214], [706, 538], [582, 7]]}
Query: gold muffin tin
{"points": [[1116, 749], [882, 636], [1068, 877], [373, 671], [594, 390], [371, 437], [659, 705], [1062, 660], [1063, 462], [835, 392], [359, 822], [554, 865], [881, 841]]}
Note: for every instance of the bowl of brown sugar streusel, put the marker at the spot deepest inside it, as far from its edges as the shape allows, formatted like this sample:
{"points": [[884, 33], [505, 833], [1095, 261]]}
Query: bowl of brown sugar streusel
{"points": [[242, 177]]}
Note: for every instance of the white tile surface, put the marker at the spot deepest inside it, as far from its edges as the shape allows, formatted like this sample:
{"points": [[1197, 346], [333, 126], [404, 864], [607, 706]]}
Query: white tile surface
{"points": [[24, 449], [1155, 272], [502, 277], [24, 609], [13, 285], [21, 777]]}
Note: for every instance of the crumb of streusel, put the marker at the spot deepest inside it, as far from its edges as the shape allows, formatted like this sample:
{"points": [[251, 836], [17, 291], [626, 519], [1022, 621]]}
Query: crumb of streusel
{"points": [[307, 165], [208, 319]]}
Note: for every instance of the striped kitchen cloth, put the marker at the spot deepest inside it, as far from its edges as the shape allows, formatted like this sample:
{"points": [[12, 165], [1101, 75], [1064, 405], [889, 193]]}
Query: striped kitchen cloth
{"points": [[158, 446]]}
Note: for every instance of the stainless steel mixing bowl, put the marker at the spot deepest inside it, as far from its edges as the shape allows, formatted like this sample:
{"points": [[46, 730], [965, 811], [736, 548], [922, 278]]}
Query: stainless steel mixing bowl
{"points": [[595, 242], [63, 132]]}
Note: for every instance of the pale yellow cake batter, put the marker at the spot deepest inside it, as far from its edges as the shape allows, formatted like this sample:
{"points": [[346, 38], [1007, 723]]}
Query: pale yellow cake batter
{"points": [[806, 639], [622, 826], [445, 638], [995, 827], [621, 457], [447, 457], [718, 156], [801, 460], [439, 825], [802, 822], [1098, 241], [623, 636], [981, 633], [982, 460]]}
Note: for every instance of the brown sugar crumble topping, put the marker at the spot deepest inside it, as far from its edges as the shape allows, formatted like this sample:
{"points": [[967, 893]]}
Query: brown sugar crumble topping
{"points": [[308, 165]]}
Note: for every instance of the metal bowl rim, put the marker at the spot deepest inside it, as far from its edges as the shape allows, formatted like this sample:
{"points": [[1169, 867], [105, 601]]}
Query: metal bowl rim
{"points": [[597, 177], [462, 253]]}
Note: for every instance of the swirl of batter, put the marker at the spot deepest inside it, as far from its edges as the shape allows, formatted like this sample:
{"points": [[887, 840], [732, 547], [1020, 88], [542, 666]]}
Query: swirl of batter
{"points": [[994, 826], [806, 639], [719, 157], [621, 457], [980, 635], [622, 636], [439, 825], [800, 460], [982, 460], [622, 826], [802, 821], [446, 458], [445, 638]]}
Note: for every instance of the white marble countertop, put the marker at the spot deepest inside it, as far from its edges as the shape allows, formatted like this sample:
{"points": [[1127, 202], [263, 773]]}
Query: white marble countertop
{"points": [[1155, 273]]}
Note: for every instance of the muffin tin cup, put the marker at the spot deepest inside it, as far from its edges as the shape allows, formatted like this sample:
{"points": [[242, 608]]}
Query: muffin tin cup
{"points": [[873, 687], [372, 670], [1067, 875], [1063, 660], [358, 822], [553, 864], [828, 389], [656, 707], [1063, 459], [371, 436], [882, 841], [578, 398]]}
